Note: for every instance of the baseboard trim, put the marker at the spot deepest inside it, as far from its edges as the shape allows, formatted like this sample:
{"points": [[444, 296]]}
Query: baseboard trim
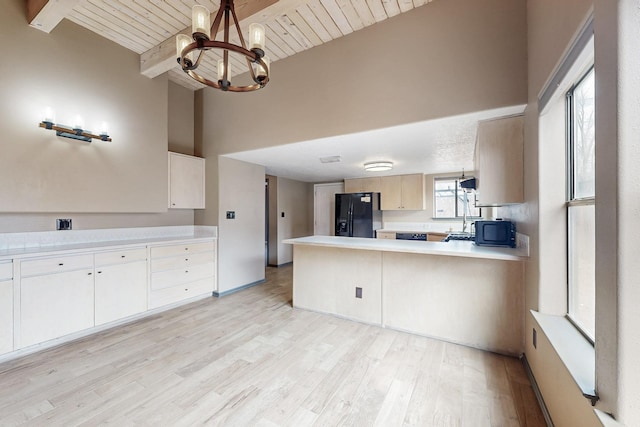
{"points": [[536, 390], [238, 289]]}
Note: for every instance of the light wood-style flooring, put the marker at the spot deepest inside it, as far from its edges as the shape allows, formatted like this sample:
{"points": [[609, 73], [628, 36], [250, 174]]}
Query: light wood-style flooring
{"points": [[250, 359]]}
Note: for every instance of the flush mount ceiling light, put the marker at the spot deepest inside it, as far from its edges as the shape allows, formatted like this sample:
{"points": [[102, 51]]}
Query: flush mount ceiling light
{"points": [[378, 166], [191, 50]]}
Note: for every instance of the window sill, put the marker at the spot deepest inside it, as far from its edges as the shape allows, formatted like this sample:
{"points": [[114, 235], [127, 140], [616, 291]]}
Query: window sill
{"points": [[575, 351]]}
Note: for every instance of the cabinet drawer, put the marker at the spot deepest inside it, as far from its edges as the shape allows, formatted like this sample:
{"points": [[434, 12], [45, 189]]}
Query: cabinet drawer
{"points": [[386, 235], [120, 257], [186, 248], [6, 270], [166, 279], [170, 295], [54, 265], [181, 262]]}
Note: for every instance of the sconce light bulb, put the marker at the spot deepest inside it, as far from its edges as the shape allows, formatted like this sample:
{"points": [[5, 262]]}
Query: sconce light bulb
{"points": [[49, 115], [79, 122]]}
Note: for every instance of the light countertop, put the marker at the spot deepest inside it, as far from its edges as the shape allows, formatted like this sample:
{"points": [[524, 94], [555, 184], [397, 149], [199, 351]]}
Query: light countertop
{"points": [[453, 248], [107, 239]]}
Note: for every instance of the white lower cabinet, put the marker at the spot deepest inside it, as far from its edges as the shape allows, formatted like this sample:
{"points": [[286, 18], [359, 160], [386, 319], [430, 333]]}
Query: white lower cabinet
{"points": [[6, 307], [181, 271], [120, 284], [53, 305], [54, 296]]}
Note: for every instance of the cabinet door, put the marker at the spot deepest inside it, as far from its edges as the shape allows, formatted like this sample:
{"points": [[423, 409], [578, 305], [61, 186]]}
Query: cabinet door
{"points": [[352, 185], [55, 305], [391, 193], [120, 291], [362, 185], [6, 316], [500, 161], [412, 191], [186, 182], [388, 235]]}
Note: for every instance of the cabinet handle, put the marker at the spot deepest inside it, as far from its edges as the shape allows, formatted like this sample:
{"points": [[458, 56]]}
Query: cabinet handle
{"points": [[186, 289], [61, 264], [89, 274], [186, 249], [123, 256], [99, 272], [186, 259], [186, 271]]}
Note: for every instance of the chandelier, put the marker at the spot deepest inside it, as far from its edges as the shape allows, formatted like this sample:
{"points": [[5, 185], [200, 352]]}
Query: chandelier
{"points": [[191, 50]]}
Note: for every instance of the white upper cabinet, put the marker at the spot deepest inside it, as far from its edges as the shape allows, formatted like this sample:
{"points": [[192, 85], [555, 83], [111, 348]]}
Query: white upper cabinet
{"points": [[500, 161], [186, 182]]}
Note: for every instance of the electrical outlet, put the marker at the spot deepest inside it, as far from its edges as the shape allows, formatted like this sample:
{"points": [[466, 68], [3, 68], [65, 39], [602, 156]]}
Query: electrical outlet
{"points": [[63, 224], [535, 338], [358, 292]]}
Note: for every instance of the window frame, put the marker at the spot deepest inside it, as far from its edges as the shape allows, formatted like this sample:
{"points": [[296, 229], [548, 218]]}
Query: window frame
{"points": [[457, 216], [571, 200]]}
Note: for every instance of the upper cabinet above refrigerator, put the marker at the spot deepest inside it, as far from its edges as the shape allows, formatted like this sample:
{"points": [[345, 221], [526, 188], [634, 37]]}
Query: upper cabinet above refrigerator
{"points": [[499, 161]]}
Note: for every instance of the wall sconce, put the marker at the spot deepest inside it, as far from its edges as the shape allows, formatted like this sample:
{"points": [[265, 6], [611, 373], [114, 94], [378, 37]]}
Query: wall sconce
{"points": [[75, 132]]}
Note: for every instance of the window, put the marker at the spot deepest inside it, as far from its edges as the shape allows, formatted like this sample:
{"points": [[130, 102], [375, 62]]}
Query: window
{"points": [[581, 203], [449, 199]]}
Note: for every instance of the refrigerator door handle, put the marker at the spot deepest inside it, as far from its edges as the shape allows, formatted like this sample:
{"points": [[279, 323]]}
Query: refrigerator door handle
{"points": [[350, 218]]}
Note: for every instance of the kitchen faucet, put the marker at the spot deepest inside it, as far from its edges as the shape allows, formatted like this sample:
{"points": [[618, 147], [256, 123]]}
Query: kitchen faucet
{"points": [[465, 206]]}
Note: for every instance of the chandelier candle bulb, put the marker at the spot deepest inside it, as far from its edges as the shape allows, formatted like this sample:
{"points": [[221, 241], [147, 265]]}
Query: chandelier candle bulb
{"points": [[201, 22], [261, 73], [221, 70], [256, 38], [182, 41]]}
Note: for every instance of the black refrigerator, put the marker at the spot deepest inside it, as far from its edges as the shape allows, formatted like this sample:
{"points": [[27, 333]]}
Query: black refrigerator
{"points": [[358, 214]]}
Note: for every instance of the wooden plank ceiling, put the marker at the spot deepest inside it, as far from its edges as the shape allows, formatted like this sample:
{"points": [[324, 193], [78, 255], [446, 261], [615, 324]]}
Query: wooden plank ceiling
{"points": [[149, 27]]}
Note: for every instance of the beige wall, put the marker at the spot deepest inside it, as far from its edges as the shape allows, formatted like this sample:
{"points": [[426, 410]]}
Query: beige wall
{"points": [[75, 71], [181, 119], [551, 26], [295, 199], [121, 183], [617, 29], [241, 252], [445, 58]]}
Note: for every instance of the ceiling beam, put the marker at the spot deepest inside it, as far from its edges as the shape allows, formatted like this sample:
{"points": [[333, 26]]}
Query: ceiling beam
{"points": [[46, 14], [162, 57]]}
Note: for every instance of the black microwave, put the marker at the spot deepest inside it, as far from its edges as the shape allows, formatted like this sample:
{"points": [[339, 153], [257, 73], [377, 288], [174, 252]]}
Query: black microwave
{"points": [[495, 233]]}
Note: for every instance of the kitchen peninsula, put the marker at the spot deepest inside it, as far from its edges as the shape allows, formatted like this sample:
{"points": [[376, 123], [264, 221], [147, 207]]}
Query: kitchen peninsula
{"points": [[454, 291]]}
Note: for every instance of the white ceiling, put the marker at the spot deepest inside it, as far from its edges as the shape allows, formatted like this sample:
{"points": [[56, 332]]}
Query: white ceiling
{"points": [[431, 147]]}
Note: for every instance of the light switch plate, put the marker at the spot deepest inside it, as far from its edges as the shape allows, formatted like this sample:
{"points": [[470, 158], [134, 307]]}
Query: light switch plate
{"points": [[231, 214]]}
